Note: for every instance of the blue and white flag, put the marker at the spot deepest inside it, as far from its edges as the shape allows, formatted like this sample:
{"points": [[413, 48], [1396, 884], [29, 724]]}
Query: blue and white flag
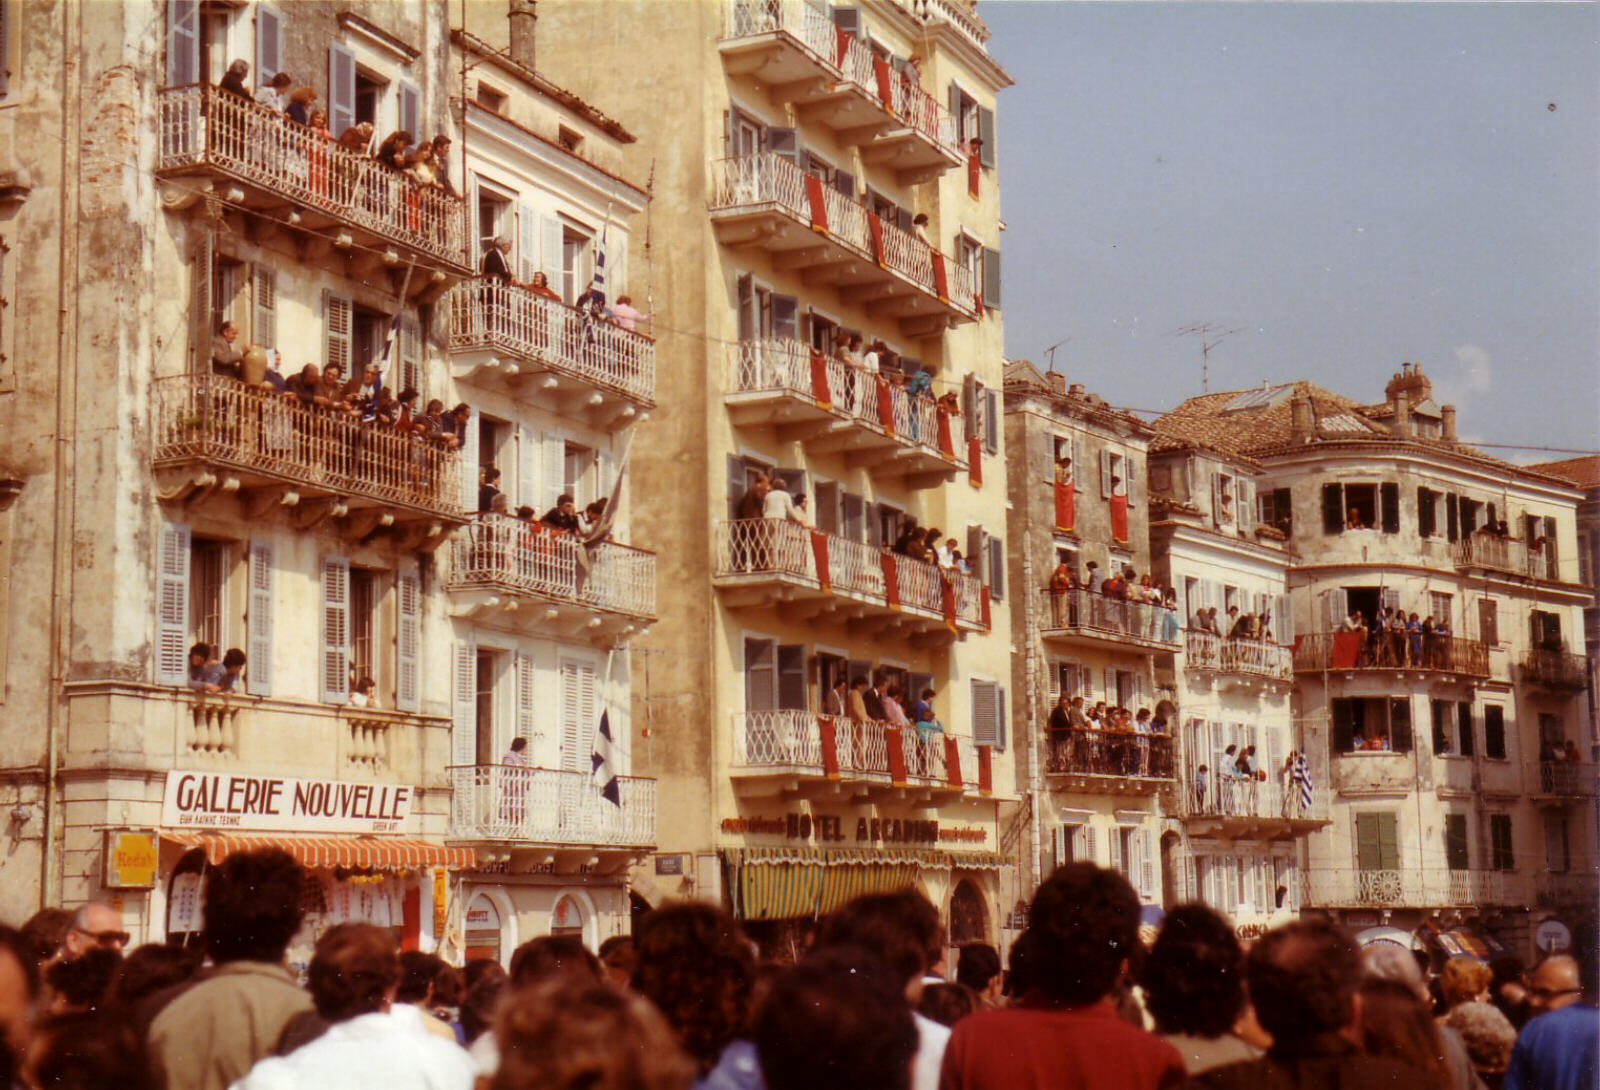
{"points": [[605, 776], [370, 410], [1302, 777]]}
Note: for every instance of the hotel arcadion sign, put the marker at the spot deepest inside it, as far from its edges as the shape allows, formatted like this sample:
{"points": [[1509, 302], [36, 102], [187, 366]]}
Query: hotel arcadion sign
{"points": [[227, 800], [823, 829]]}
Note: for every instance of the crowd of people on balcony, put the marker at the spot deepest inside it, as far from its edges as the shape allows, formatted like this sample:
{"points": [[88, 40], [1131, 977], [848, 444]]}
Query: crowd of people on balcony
{"points": [[1123, 601], [425, 164], [209, 675], [1109, 741], [496, 268], [564, 517], [885, 702], [1397, 639]]}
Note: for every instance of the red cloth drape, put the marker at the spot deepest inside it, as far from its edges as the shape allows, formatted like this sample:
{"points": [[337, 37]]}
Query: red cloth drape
{"points": [[941, 280], [985, 770], [830, 751], [411, 920], [952, 762], [885, 404], [875, 229], [1066, 506], [974, 173], [819, 551], [977, 303], [947, 444], [897, 755], [891, 579], [947, 599], [841, 46], [819, 207], [880, 69], [819, 380], [1119, 517], [1346, 650], [983, 606], [975, 462]]}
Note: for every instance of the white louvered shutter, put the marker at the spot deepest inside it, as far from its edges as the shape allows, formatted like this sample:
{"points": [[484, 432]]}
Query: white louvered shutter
{"points": [[1247, 505], [1338, 607], [528, 243], [550, 253], [264, 323], [183, 40], [269, 46], [469, 466], [1091, 850], [410, 346], [336, 323], [1147, 868], [554, 468], [335, 629], [1114, 842], [341, 89], [408, 645], [172, 606], [464, 706], [528, 491], [578, 715], [527, 725], [985, 713], [1105, 473], [1059, 842], [258, 627]]}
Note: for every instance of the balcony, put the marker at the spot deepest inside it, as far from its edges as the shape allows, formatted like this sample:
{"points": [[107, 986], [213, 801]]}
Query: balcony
{"points": [[1559, 671], [1233, 661], [552, 809], [590, 369], [799, 751], [831, 407], [1507, 556], [1233, 806], [762, 563], [1408, 887], [1110, 762], [834, 79], [525, 573], [1347, 653], [214, 434], [767, 202], [214, 144], [1574, 890], [1563, 780], [1088, 618]]}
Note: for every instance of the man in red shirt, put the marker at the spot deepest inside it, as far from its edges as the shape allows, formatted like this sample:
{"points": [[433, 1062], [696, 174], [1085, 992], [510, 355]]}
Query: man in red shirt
{"points": [[1064, 1033]]}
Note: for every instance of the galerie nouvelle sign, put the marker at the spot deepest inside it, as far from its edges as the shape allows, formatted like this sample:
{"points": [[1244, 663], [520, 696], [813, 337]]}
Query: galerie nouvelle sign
{"points": [[225, 800]]}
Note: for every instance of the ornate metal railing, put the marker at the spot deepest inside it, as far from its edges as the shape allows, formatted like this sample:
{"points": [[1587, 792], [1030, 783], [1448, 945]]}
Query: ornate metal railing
{"points": [[203, 126], [1209, 651], [799, 740], [1092, 613], [499, 551], [550, 806], [1556, 669], [219, 420], [805, 22], [1416, 887], [1134, 755], [926, 114], [1575, 779], [490, 314], [1320, 651], [1505, 554]]}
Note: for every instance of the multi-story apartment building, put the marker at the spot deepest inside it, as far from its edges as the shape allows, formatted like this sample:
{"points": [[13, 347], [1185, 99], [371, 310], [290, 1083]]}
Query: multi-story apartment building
{"points": [[540, 622], [813, 182], [158, 501], [1459, 786], [1077, 473], [1248, 790], [1585, 473]]}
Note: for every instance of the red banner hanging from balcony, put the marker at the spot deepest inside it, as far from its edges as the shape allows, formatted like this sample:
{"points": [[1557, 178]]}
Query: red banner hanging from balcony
{"points": [[975, 462], [897, 755], [819, 552], [1119, 517], [974, 173], [818, 203], [891, 579], [875, 228], [841, 46], [826, 731], [952, 762], [819, 380], [947, 600], [885, 404], [977, 304], [983, 606], [947, 443], [1066, 505], [941, 281], [880, 69], [985, 771], [1346, 650]]}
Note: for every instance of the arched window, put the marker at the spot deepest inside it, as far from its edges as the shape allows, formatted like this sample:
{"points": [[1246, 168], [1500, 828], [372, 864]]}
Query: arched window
{"points": [[969, 918]]}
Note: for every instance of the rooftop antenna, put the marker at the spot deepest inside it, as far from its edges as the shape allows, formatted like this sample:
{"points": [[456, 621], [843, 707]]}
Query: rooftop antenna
{"points": [[1210, 336], [1051, 351]]}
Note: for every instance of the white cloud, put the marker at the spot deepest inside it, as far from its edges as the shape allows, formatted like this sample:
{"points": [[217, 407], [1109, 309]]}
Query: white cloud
{"points": [[1470, 378]]}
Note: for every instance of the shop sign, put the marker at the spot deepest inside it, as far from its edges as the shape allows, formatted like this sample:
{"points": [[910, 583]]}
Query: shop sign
{"points": [[227, 800], [967, 834], [131, 859], [1248, 932], [1552, 937], [826, 829], [669, 864], [441, 902]]}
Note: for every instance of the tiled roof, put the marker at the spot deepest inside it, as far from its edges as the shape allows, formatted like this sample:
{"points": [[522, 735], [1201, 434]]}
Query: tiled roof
{"points": [[1021, 376], [1583, 472]]}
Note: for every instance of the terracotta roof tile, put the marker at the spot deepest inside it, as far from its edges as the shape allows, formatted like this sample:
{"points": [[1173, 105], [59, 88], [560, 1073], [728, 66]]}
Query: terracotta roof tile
{"points": [[1583, 472]]}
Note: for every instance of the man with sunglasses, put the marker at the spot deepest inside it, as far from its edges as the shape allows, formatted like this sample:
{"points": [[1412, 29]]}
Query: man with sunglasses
{"points": [[1560, 1048], [94, 926]]}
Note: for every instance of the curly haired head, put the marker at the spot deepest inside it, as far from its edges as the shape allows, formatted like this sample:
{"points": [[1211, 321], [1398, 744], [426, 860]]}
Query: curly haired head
{"points": [[1464, 980], [1303, 977], [838, 1020], [1084, 924], [252, 906], [1488, 1035], [901, 928], [694, 963], [1194, 976], [570, 1033]]}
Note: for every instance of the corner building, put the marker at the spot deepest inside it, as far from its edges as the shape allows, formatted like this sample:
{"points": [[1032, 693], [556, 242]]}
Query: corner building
{"points": [[1462, 788], [791, 152]]}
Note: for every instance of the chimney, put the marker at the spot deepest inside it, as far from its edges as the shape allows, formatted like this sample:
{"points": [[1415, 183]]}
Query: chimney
{"points": [[1057, 381], [522, 18], [1075, 390], [1302, 425], [1400, 423], [1447, 423]]}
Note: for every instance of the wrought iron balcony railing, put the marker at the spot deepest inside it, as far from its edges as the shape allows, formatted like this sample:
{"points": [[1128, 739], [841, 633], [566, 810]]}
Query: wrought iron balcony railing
{"points": [[1117, 754], [1236, 655], [1407, 887], [1091, 615], [805, 743], [1555, 669], [499, 552], [1504, 554], [1341, 651], [550, 806]]}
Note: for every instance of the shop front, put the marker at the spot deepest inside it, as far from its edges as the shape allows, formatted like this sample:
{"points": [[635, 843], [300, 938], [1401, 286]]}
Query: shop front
{"points": [[503, 909]]}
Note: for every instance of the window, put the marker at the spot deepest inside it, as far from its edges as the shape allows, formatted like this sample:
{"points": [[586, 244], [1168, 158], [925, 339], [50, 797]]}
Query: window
{"points": [[1377, 841], [1455, 841], [368, 330], [1276, 510], [369, 100], [1371, 724], [1070, 679], [988, 714], [363, 603], [1489, 621], [1551, 732], [1585, 560], [488, 666], [1557, 845], [494, 217], [1494, 732], [569, 139], [208, 577], [574, 263], [1440, 710], [490, 99], [1440, 605], [1544, 630], [1501, 856], [760, 674], [1469, 744], [1427, 512]]}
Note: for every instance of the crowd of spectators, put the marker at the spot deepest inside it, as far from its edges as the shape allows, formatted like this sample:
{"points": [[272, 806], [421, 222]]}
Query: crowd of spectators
{"points": [[1106, 740], [1394, 638], [1123, 601]]}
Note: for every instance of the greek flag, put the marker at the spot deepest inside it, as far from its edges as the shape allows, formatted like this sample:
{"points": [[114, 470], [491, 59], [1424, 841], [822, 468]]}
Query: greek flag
{"points": [[605, 777], [1302, 778], [371, 409]]}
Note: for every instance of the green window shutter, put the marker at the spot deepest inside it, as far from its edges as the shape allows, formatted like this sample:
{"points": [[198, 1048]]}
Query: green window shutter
{"points": [[1400, 724], [1455, 841], [1368, 846], [1388, 842], [1333, 509]]}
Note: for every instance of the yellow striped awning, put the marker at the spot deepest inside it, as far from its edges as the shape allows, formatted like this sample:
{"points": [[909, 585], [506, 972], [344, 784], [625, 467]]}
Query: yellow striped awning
{"points": [[784, 883]]}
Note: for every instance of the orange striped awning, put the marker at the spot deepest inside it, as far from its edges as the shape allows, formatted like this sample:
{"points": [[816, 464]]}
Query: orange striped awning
{"points": [[327, 852]]}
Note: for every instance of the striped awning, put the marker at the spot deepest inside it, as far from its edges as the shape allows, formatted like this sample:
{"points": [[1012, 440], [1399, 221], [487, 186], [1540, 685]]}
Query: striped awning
{"points": [[327, 852], [784, 883]]}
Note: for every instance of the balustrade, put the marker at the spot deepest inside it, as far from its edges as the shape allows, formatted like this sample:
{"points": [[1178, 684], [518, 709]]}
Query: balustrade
{"points": [[550, 806], [499, 551]]}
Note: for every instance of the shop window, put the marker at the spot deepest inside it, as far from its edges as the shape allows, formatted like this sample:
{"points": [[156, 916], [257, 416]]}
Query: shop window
{"points": [[568, 918], [969, 919], [482, 934]]}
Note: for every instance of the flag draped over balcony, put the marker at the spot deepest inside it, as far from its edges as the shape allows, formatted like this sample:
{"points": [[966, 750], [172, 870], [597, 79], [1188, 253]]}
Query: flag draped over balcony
{"points": [[941, 279], [947, 599], [1301, 781], [875, 229], [880, 69], [605, 776], [891, 579], [1119, 516], [817, 203], [885, 404], [819, 380], [974, 173], [947, 443], [819, 553]]}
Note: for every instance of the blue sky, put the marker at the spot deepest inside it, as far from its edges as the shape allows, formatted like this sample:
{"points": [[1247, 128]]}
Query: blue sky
{"points": [[1349, 184]]}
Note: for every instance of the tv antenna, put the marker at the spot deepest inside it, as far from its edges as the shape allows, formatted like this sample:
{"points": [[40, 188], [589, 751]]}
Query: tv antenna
{"points": [[1050, 353], [1210, 336]]}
